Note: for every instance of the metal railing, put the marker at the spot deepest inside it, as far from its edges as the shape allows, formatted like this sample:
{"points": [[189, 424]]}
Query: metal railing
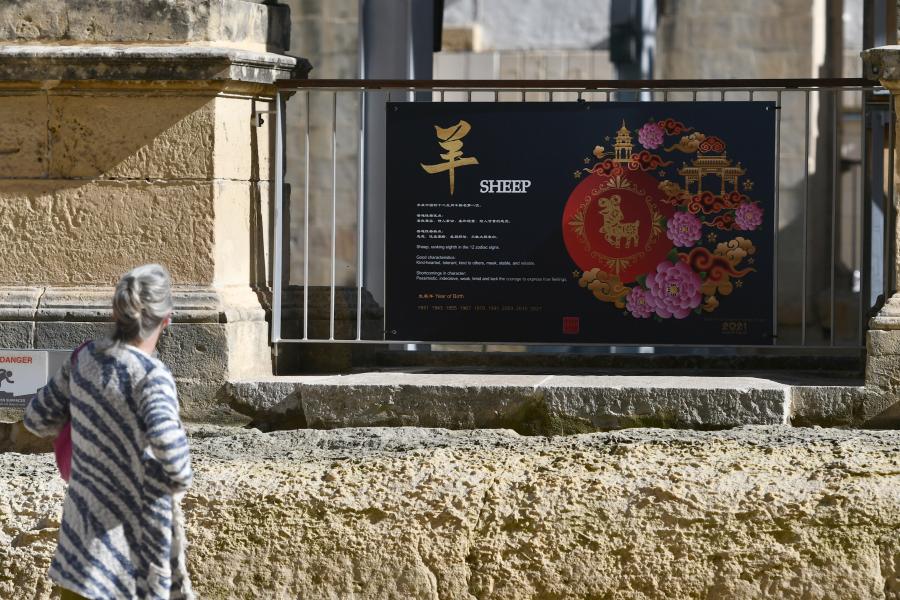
{"points": [[837, 291]]}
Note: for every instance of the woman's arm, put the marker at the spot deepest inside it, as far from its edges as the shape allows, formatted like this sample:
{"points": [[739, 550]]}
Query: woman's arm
{"points": [[48, 411], [168, 442]]}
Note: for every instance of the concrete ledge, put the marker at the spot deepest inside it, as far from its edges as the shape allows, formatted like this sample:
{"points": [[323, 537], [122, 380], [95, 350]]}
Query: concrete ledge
{"points": [[532, 404]]}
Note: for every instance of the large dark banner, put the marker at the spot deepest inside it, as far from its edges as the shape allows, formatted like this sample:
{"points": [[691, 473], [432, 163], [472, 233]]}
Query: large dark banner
{"points": [[619, 222]]}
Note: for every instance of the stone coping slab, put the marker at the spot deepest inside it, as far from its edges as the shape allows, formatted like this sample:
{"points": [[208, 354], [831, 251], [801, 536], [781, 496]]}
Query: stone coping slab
{"points": [[31, 62], [528, 403]]}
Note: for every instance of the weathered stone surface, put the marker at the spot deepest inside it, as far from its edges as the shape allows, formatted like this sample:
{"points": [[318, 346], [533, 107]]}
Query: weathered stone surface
{"points": [[16, 334], [758, 512], [23, 136], [882, 63], [828, 405], [580, 403], [71, 232], [249, 24], [534, 404], [883, 342], [132, 136], [147, 63], [270, 399]]}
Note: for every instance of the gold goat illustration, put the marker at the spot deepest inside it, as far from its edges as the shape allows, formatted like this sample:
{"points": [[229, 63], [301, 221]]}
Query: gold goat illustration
{"points": [[613, 229]]}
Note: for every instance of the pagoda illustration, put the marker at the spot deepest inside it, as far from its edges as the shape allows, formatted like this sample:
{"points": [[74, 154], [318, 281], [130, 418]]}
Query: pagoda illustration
{"points": [[711, 160], [623, 144]]}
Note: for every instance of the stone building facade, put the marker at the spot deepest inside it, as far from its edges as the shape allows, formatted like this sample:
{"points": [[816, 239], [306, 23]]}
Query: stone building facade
{"points": [[131, 138]]}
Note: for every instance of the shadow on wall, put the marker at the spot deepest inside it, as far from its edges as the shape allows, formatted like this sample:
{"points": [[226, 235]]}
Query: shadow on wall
{"points": [[97, 182]]}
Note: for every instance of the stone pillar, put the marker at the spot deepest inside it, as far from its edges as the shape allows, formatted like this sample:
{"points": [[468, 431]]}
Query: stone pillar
{"points": [[883, 338], [128, 136]]}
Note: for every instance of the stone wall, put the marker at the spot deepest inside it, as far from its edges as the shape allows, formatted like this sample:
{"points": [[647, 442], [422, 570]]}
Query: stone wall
{"points": [[757, 512], [533, 24], [132, 143]]}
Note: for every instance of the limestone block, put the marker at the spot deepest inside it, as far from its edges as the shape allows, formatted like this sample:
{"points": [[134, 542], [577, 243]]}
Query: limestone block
{"points": [[265, 397], [465, 38], [883, 343], [233, 154], [56, 335], [192, 350], [19, 302], [883, 63], [132, 136], [16, 334], [249, 354], [829, 406], [757, 512], [232, 232], [32, 21], [610, 402], [23, 135], [74, 232], [883, 373], [534, 404], [246, 24], [374, 399]]}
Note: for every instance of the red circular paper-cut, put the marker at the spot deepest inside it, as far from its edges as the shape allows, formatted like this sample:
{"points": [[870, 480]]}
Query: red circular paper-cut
{"points": [[592, 243]]}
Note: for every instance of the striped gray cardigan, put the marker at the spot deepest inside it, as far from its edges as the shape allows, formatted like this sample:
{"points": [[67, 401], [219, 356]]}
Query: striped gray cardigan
{"points": [[121, 533]]}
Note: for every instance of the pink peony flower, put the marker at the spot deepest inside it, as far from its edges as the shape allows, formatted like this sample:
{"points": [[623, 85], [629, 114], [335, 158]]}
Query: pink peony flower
{"points": [[675, 289], [748, 216], [651, 136], [639, 303], [684, 229]]}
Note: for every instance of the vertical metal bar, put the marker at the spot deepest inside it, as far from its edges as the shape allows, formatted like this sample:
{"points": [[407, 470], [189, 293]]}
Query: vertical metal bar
{"points": [[835, 184], [551, 95], [361, 212], [890, 229], [805, 212], [867, 278], [665, 95], [333, 211], [886, 242], [306, 226], [695, 96], [279, 218], [777, 215], [722, 99], [468, 95], [862, 223], [496, 96], [442, 95], [523, 95], [779, 99]]}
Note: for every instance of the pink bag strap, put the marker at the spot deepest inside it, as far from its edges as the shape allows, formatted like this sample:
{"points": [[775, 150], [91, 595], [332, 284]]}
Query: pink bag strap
{"points": [[76, 351]]}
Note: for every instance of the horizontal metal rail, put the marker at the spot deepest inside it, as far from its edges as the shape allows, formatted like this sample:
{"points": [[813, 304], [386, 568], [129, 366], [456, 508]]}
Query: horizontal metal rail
{"points": [[574, 85]]}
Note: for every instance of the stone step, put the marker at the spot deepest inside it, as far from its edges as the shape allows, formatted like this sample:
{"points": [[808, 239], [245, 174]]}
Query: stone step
{"points": [[539, 404]]}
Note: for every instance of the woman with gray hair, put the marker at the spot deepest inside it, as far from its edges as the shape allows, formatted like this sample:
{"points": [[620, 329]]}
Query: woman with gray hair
{"points": [[121, 534]]}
